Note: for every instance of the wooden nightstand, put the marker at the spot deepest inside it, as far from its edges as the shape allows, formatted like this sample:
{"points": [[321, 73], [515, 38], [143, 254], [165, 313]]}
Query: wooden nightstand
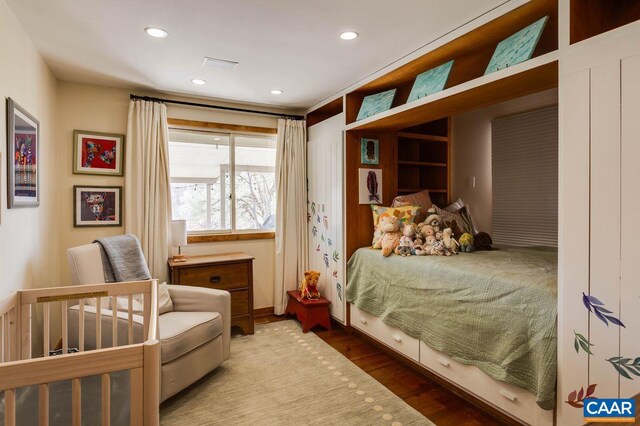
{"points": [[230, 271]]}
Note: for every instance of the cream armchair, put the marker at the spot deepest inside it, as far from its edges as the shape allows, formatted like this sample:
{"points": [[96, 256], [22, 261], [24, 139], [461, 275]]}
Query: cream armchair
{"points": [[194, 337]]}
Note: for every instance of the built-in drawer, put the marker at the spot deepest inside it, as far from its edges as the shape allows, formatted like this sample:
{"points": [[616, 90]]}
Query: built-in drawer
{"points": [[390, 336], [240, 302], [225, 277], [511, 399]]}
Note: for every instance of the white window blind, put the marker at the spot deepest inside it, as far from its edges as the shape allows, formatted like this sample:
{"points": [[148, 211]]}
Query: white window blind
{"points": [[524, 161]]}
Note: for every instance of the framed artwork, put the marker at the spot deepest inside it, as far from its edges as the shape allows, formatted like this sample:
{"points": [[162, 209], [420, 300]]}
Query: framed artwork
{"points": [[96, 153], [517, 48], [370, 151], [23, 138], [430, 82], [375, 104], [97, 206], [370, 186]]}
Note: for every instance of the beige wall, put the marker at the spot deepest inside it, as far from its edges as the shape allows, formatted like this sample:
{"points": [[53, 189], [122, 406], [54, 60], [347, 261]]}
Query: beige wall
{"points": [[105, 109], [471, 152]]}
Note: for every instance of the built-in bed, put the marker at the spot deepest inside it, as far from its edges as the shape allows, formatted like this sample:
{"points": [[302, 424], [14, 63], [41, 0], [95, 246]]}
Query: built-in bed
{"points": [[485, 321]]}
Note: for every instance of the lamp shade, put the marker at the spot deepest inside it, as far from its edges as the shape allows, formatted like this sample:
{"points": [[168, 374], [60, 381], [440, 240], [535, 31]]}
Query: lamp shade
{"points": [[178, 233]]}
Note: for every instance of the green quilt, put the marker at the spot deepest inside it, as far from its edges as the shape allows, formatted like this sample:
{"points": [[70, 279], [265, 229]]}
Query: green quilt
{"points": [[492, 309]]}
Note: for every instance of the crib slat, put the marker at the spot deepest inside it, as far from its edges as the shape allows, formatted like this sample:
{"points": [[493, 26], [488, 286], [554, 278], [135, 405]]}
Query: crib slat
{"points": [[10, 407], [98, 323], [106, 399], [146, 303], [81, 325], [25, 324], [46, 341], [43, 405], [65, 329], [12, 330], [130, 320], [135, 396], [114, 320], [76, 402], [3, 334]]}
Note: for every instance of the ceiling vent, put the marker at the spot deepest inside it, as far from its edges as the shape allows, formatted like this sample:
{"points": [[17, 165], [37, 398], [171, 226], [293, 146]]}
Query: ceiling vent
{"points": [[218, 63]]}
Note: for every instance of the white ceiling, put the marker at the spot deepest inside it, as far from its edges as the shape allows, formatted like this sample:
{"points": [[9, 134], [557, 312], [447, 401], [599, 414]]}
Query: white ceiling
{"points": [[292, 45]]}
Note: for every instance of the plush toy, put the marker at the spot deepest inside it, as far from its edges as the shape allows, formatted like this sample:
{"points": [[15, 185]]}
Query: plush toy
{"points": [[309, 286], [434, 220], [405, 248], [449, 242], [437, 249], [482, 241], [466, 243], [390, 239], [439, 235], [426, 230], [408, 230], [457, 231]]}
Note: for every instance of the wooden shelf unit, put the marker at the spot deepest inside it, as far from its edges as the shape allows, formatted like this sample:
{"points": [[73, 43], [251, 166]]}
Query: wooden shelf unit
{"points": [[467, 87], [590, 18], [325, 112]]}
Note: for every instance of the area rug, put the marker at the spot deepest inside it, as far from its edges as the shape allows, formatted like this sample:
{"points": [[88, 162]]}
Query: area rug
{"points": [[280, 376]]}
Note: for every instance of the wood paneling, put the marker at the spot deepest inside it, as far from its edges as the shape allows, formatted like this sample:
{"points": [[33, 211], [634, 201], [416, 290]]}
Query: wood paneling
{"points": [[325, 112], [359, 219], [590, 18], [178, 122], [214, 238]]}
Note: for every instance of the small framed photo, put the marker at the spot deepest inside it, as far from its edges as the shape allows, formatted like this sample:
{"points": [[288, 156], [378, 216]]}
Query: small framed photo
{"points": [[23, 139], [370, 186], [97, 206], [96, 153], [370, 151]]}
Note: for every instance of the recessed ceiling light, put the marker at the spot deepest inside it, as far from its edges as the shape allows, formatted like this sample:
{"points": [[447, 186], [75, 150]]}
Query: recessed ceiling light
{"points": [[349, 35], [156, 32], [198, 81], [276, 92]]}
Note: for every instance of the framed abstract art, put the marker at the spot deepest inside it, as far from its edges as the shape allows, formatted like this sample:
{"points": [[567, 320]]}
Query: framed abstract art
{"points": [[370, 186], [375, 104], [430, 82], [97, 153], [517, 48], [23, 139], [97, 206]]}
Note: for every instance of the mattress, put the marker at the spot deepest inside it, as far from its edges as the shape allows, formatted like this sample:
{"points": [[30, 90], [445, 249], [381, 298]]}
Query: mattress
{"points": [[496, 309]]}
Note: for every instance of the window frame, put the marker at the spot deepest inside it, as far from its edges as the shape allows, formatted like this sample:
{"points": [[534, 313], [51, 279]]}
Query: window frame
{"points": [[232, 131]]}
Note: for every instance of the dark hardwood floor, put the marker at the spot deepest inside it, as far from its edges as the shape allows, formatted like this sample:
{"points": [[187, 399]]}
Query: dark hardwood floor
{"points": [[435, 402]]}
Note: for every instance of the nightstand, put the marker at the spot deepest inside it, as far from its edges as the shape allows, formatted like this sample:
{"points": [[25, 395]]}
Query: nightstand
{"points": [[232, 272]]}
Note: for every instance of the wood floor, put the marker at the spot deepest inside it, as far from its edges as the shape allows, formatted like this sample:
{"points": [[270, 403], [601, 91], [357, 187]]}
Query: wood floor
{"points": [[438, 404]]}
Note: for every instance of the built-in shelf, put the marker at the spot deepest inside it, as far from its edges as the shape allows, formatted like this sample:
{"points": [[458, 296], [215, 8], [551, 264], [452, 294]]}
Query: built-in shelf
{"points": [[411, 190], [418, 136], [590, 18], [328, 110], [421, 163]]}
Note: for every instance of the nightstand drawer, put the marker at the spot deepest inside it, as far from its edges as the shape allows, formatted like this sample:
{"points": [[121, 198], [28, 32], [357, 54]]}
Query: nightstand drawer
{"points": [[239, 302], [226, 277]]}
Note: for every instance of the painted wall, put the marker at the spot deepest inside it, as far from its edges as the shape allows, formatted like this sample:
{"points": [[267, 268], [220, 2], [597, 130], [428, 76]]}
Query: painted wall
{"points": [[471, 152], [104, 109]]}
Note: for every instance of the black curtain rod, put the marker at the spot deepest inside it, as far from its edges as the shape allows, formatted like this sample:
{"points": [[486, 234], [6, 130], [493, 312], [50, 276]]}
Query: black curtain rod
{"points": [[195, 104]]}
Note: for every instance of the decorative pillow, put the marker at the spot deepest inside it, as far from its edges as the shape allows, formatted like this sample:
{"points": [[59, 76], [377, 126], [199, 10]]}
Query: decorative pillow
{"points": [[421, 199], [165, 304], [405, 214]]}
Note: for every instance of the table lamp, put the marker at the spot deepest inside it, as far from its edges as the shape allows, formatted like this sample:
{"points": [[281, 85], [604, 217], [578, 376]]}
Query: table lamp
{"points": [[179, 238]]}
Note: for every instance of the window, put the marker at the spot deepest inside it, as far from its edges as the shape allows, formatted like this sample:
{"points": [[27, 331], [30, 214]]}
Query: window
{"points": [[223, 182]]}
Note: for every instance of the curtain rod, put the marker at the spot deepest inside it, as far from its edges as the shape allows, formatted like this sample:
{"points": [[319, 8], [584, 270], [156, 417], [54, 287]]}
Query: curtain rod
{"points": [[199, 105]]}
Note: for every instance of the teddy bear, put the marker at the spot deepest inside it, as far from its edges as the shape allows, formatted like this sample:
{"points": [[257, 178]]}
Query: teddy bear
{"points": [[426, 230], [449, 242], [434, 220], [390, 239], [466, 243], [405, 248], [309, 286]]}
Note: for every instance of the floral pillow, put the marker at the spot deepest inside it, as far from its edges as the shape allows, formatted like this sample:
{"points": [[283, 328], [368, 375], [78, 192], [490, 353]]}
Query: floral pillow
{"points": [[405, 214], [418, 199]]}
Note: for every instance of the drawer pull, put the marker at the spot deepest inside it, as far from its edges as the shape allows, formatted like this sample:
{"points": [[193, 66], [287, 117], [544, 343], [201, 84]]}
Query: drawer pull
{"points": [[443, 361], [511, 397], [397, 338], [215, 279], [364, 321]]}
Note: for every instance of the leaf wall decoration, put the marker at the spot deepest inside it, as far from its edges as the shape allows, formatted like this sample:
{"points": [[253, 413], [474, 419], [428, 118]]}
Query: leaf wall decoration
{"points": [[318, 218], [597, 307], [322, 237], [336, 256], [325, 257], [582, 342], [314, 231], [339, 288], [313, 208], [308, 217], [329, 242], [624, 366], [318, 248], [576, 398], [335, 274]]}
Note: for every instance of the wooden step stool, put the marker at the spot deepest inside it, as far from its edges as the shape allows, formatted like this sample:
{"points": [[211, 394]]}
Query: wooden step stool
{"points": [[310, 312]]}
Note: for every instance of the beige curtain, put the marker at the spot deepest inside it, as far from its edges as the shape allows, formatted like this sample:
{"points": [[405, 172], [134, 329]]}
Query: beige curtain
{"points": [[291, 208], [147, 192]]}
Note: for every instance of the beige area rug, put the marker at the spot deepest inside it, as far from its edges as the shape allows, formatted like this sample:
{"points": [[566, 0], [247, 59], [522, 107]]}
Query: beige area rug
{"points": [[280, 376]]}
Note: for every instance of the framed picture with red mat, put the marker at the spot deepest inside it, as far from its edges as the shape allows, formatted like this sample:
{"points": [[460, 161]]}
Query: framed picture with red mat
{"points": [[97, 153]]}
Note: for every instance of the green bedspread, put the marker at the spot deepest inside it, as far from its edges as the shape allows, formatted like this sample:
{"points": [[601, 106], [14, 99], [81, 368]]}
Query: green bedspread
{"points": [[496, 310]]}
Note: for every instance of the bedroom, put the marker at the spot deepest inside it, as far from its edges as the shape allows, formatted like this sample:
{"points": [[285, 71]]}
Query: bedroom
{"points": [[211, 141]]}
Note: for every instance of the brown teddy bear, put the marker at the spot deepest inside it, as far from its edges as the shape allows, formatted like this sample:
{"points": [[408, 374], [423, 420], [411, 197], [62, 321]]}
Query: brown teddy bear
{"points": [[390, 239], [309, 286]]}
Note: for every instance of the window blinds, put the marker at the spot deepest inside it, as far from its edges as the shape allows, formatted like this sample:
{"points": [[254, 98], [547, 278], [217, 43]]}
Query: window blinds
{"points": [[524, 161]]}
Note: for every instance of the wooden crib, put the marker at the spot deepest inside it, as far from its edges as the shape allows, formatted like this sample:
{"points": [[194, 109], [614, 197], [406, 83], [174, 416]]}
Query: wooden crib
{"points": [[19, 369]]}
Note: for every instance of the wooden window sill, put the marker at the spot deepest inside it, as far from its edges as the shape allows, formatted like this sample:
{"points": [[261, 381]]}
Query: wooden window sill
{"points": [[213, 238]]}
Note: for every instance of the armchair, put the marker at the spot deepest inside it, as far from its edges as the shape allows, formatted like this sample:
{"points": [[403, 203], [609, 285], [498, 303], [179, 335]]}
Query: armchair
{"points": [[194, 337]]}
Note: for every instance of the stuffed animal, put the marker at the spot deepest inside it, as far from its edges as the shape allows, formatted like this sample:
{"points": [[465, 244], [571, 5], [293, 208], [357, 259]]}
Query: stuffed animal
{"points": [[437, 249], [434, 220], [420, 250], [408, 230], [466, 243], [457, 231], [439, 235], [426, 230], [482, 241], [309, 286], [390, 239], [405, 248], [449, 242]]}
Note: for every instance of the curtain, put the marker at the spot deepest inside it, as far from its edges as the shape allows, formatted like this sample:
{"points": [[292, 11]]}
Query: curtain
{"points": [[291, 208], [147, 189]]}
